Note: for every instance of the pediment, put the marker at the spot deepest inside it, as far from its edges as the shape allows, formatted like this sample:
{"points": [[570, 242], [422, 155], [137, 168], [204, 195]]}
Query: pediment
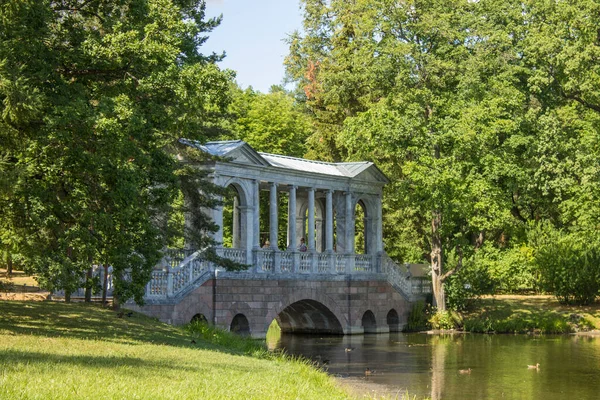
{"points": [[372, 174]]}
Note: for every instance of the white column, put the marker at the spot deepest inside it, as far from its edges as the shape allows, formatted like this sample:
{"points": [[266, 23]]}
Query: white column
{"points": [[218, 219], [379, 225], [349, 224], [235, 232], [256, 215], [292, 242], [329, 220], [273, 216], [311, 219]]}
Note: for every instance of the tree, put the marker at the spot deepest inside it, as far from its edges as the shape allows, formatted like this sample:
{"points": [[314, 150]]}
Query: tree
{"points": [[95, 96]]}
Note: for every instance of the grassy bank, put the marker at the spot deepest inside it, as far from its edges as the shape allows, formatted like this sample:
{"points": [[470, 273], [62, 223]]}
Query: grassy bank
{"points": [[529, 314], [72, 351]]}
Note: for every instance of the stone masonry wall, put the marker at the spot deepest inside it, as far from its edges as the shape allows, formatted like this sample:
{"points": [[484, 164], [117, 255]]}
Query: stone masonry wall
{"points": [[262, 300]]}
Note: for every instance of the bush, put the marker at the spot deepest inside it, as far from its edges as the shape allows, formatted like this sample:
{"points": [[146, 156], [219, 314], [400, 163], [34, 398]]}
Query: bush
{"points": [[472, 281], [569, 265], [418, 319], [442, 320]]}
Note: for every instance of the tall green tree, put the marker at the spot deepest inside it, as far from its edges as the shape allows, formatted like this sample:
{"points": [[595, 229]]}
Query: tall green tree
{"points": [[94, 97]]}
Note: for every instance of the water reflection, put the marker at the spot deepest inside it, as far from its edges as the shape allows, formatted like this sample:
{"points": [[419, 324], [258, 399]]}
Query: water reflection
{"points": [[429, 365]]}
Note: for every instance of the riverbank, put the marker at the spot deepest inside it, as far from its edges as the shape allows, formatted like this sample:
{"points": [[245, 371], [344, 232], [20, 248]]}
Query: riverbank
{"points": [[534, 314], [56, 350]]}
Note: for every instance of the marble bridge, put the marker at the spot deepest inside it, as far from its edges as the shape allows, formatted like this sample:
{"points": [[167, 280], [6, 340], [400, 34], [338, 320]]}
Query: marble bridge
{"points": [[341, 282]]}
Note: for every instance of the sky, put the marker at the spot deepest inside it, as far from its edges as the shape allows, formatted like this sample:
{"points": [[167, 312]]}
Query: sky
{"points": [[252, 34]]}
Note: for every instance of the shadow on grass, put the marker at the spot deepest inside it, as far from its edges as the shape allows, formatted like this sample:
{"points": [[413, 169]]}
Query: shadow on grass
{"points": [[133, 365], [92, 322]]}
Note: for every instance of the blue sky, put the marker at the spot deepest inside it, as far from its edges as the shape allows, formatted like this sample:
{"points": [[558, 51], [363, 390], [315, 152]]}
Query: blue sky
{"points": [[252, 34]]}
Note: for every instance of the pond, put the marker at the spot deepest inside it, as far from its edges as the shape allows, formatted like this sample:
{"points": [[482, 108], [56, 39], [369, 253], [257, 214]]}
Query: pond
{"points": [[430, 365]]}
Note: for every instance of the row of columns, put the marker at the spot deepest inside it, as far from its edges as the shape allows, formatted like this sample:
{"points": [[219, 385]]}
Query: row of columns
{"points": [[292, 211], [250, 215]]}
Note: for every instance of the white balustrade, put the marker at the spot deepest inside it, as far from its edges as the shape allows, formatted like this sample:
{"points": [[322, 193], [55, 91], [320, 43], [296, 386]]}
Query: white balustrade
{"points": [[340, 263], [323, 263], [175, 280], [287, 261], [395, 274], [305, 262], [363, 263]]}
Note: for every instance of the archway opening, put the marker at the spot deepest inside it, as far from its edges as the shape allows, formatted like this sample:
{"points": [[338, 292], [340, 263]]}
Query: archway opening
{"points": [[240, 325], [393, 320], [368, 322], [360, 225], [232, 221], [199, 318], [309, 316]]}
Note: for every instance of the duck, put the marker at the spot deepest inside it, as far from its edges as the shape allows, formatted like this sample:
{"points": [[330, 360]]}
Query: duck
{"points": [[536, 366], [464, 371], [369, 371], [348, 349]]}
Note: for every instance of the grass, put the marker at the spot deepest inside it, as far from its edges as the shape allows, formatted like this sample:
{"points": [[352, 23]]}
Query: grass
{"points": [[18, 282], [530, 314], [51, 350]]}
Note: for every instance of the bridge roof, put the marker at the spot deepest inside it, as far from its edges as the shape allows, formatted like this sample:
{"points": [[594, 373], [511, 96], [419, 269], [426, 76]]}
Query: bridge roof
{"points": [[240, 152]]}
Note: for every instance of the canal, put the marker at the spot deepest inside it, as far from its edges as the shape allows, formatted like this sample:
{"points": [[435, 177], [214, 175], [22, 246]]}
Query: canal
{"points": [[437, 366]]}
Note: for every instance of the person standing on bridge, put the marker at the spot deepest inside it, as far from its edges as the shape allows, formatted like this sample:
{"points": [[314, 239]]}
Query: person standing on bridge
{"points": [[302, 246]]}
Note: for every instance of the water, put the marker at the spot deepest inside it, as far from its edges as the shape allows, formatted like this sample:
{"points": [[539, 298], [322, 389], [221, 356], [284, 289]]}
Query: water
{"points": [[428, 365]]}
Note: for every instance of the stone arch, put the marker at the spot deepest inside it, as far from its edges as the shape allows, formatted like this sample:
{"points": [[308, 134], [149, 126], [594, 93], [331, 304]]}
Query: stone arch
{"points": [[313, 298], [236, 308], [368, 322], [242, 187], [240, 325], [199, 318], [393, 320], [369, 226], [192, 305], [240, 228]]}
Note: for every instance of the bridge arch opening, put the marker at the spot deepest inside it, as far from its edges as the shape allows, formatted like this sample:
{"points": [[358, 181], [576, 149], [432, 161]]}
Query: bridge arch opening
{"points": [[240, 325], [199, 318], [393, 320], [309, 316], [368, 322]]}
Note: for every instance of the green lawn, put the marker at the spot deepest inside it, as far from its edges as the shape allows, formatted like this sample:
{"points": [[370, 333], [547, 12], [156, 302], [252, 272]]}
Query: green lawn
{"points": [[51, 350], [530, 314]]}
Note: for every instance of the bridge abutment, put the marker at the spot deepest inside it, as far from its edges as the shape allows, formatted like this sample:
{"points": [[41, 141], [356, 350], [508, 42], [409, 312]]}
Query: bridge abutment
{"points": [[333, 304]]}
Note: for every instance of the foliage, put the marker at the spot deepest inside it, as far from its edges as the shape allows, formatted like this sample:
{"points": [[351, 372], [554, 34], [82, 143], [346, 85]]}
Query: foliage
{"points": [[418, 318], [484, 113], [569, 265], [270, 123], [94, 97], [442, 320]]}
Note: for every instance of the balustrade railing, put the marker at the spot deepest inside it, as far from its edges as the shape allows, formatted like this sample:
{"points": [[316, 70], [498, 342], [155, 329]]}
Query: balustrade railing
{"points": [[340, 263], [363, 263], [323, 262], [286, 261], [305, 262], [171, 281]]}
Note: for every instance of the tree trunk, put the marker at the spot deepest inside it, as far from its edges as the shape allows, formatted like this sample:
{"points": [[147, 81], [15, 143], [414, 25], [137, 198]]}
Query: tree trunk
{"points": [[105, 285], [88, 286], [67, 295], [9, 265], [437, 262]]}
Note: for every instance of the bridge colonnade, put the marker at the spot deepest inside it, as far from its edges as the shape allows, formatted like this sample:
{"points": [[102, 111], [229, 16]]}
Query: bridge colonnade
{"points": [[326, 289]]}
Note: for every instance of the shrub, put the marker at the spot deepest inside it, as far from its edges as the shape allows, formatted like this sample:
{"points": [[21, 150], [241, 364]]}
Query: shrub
{"points": [[569, 265], [418, 319], [442, 320], [472, 281]]}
